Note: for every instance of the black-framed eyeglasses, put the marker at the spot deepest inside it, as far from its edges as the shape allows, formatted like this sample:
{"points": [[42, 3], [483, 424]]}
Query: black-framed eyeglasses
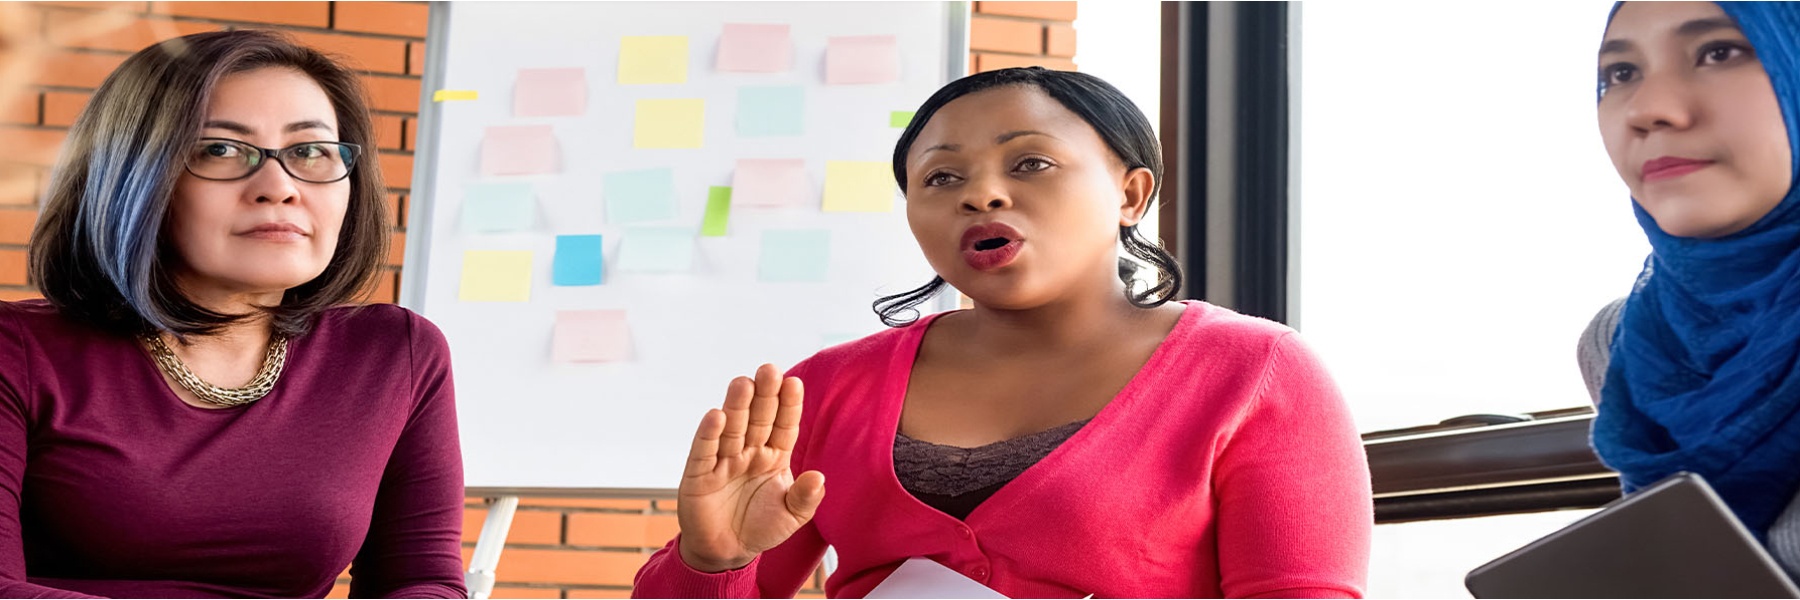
{"points": [[225, 159]]}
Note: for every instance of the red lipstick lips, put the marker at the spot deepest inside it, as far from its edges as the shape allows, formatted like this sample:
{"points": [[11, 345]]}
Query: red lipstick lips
{"points": [[989, 246], [1670, 167]]}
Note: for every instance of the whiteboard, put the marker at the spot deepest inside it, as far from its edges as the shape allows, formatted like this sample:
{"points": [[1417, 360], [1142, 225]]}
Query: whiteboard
{"points": [[531, 424]]}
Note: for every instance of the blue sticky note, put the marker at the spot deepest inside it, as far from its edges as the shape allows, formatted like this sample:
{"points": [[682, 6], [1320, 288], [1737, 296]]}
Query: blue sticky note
{"points": [[492, 207], [639, 196], [657, 250], [794, 255], [770, 110], [578, 260]]}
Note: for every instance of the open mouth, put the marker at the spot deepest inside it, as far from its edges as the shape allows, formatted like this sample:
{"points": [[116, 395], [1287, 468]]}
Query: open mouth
{"points": [[989, 246], [993, 243]]}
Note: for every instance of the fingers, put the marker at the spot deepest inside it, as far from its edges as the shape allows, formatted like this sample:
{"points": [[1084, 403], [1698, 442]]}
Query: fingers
{"points": [[764, 406], [786, 429], [737, 416], [804, 496], [704, 455]]}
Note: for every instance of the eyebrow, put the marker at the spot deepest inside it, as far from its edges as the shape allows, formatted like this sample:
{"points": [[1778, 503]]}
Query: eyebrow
{"points": [[999, 139], [1694, 28], [241, 128]]}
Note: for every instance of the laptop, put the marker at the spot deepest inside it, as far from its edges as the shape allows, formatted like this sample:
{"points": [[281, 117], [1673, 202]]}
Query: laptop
{"points": [[1674, 539]]}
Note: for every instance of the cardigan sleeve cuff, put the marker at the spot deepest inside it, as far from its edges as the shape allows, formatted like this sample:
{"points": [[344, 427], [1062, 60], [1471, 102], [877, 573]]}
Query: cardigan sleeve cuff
{"points": [[666, 575]]}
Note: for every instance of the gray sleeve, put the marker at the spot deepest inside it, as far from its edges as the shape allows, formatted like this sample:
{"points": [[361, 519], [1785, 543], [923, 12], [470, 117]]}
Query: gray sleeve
{"points": [[1594, 350], [1784, 539]]}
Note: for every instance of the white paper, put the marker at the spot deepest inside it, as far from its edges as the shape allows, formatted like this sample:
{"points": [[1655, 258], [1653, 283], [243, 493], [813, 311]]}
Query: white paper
{"points": [[922, 577]]}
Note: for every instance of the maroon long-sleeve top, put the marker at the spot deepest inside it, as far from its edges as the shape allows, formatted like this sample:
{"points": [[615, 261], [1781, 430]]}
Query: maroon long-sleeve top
{"points": [[110, 485]]}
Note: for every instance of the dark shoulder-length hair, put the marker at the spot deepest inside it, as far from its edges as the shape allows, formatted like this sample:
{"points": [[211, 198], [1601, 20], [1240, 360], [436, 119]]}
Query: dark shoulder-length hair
{"points": [[101, 253], [1120, 124]]}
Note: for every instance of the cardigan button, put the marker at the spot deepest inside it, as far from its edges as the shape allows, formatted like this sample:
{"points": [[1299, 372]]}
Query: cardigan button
{"points": [[981, 573], [966, 532]]}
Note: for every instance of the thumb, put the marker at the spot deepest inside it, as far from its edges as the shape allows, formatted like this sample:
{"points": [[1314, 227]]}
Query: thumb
{"points": [[804, 495]]}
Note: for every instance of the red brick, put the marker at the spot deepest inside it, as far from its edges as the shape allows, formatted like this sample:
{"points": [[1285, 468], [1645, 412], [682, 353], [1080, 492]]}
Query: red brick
{"points": [[391, 18], [1006, 35], [388, 130], [528, 526], [612, 503], [30, 146], [136, 7], [508, 591], [668, 506], [16, 225], [611, 530], [810, 595], [579, 567], [415, 58], [386, 286], [409, 134], [12, 268], [61, 108], [339, 591], [305, 14], [397, 257], [1059, 40], [119, 32], [358, 52], [76, 69], [396, 170], [19, 109], [393, 94], [18, 184], [990, 62], [594, 593], [1053, 11], [15, 295]]}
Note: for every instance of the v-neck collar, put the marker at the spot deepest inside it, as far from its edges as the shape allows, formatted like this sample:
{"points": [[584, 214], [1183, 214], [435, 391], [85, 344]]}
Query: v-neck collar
{"points": [[907, 356]]}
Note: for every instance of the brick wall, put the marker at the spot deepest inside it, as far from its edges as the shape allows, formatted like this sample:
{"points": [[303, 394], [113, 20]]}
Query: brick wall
{"points": [[557, 548]]}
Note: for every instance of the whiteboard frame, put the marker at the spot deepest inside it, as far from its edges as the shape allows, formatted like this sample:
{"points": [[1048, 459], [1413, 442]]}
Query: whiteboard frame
{"points": [[419, 215]]}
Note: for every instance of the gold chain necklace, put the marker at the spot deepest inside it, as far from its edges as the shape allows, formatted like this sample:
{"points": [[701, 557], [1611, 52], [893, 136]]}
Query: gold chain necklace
{"points": [[258, 387]]}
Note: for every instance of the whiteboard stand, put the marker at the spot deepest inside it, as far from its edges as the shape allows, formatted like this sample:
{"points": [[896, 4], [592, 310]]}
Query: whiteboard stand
{"points": [[480, 578]]}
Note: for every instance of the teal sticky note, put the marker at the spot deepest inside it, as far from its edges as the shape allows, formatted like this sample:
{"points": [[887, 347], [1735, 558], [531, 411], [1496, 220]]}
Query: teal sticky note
{"points": [[657, 250], [718, 211], [771, 110], [493, 207], [578, 260], [899, 119], [794, 255], [639, 196]]}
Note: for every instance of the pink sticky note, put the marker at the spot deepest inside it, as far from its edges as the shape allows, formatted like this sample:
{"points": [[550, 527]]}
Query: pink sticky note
{"points": [[755, 48], [586, 336], [518, 150], [862, 59], [550, 93], [769, 182]]}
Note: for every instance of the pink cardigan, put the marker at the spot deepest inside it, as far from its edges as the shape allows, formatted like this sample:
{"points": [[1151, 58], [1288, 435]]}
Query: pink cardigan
{"points": [[1228, 467]]}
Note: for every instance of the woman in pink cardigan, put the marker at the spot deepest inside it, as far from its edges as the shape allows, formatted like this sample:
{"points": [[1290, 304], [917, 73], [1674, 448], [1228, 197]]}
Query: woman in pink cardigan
{"points": [[1072, 434]]}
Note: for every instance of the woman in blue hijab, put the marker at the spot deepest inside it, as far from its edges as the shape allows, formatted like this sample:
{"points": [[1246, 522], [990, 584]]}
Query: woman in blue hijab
{"points": [[1698, 109]]}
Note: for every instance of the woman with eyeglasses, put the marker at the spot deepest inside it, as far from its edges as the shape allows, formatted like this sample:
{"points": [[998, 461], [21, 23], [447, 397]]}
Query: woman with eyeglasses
{"points": [[194, 410]]}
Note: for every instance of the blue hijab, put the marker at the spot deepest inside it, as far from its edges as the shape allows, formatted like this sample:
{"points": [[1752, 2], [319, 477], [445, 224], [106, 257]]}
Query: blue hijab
{"points": [[1705, 369]]}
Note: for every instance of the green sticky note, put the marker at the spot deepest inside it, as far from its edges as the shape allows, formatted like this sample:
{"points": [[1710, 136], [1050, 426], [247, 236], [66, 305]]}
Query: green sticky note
{"points": [[718, 211], [496, 276], [656, 250], [858, 186], [899, 119], [771, 110], [648, 59], [493, 207], [669, 123], [639, 196], [794, 255]]}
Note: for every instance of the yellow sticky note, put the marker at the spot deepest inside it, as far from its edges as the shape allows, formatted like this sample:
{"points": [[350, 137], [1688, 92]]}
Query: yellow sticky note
{"points": [[858, 186], [670, 123], [653, 59], [443, 95], [496, 276]]}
